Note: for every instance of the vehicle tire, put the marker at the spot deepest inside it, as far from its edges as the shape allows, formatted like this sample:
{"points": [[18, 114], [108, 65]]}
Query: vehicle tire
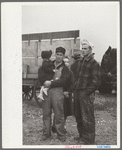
{"points": [[27, 92], [37, 88]]}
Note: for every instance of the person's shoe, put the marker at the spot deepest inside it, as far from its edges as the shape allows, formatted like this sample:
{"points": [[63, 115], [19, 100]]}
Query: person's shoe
{"points": [[45, 91], [53, 129], [44, 137], [40, 100], [77, 138], [62, 139], [88, 142], [81, 142]]}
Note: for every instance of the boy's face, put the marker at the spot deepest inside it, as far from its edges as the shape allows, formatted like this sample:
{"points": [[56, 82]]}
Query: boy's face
{"points": [[66, 61], [59, 57]]}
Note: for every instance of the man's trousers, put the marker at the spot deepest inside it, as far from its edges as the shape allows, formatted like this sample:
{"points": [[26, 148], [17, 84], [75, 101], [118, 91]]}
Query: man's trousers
{"points": [[55, 101], [84, 113]]}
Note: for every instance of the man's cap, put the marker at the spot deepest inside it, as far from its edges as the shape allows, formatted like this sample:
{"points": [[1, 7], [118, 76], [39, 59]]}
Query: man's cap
{"points": [[76, 55], [85, 42], [61, 50]]}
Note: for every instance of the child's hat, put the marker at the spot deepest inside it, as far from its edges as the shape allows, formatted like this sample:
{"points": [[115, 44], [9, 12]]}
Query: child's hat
{"points": [[46, 54]]}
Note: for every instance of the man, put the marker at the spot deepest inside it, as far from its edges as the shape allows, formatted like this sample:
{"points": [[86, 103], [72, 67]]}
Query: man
{"points": [[67, 89], [55, 98], [73, 67], [87, 81]]}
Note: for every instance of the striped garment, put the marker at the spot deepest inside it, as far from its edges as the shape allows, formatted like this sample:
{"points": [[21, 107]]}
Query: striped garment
{"points": [[88, 75]]}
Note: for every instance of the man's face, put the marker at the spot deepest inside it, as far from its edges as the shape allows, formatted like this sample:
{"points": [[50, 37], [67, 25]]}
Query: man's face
{"points": [[59, 57], [85, 50]]}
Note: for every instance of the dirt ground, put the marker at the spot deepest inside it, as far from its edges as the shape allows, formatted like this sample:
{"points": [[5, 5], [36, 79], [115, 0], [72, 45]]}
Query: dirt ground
{"points": [[105, 117]]}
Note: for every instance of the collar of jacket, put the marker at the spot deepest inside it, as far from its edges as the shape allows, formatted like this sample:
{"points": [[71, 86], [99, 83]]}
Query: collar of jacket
{"points": [[87, 58], [62, 64]]}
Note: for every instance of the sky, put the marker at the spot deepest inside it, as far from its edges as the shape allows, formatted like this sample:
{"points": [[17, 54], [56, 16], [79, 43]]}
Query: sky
{"points": [[98, 22]]}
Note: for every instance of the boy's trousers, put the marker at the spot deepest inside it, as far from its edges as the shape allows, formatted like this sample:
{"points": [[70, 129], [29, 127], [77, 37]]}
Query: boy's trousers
{"points": [[55, 101]]}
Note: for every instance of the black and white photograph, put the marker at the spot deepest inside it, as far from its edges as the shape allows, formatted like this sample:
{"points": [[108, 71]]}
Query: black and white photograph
{"points": [[63, 76]]}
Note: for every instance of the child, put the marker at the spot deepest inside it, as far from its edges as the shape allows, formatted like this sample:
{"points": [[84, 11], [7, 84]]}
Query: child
{"points": [[45, 72]]}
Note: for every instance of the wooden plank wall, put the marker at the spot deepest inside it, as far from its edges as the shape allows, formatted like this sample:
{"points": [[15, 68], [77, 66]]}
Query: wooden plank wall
{"points": [[29, 50], [32, 54]]}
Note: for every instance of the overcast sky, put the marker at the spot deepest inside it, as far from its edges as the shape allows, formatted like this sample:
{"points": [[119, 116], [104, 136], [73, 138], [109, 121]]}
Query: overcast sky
{"points": [[98, 22]]}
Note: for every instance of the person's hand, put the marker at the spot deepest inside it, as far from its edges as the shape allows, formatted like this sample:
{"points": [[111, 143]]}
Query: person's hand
{"points": [[84, 94], [66, 94], [47, 84], [109, 74], [54, 70], [72, 95]]}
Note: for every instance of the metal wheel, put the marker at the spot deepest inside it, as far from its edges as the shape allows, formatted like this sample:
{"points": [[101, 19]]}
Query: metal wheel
{"points": [[37, 88], [27, 92]]}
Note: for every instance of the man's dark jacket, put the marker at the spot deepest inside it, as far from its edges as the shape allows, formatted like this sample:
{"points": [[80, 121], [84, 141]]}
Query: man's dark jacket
{"points": [[74, 68], [88, 75], [61, 82]]}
